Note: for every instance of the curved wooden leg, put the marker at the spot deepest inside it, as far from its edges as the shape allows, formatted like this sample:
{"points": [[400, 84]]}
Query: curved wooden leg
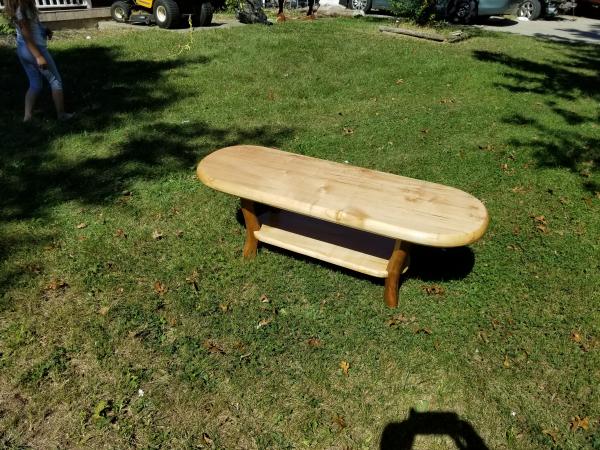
{"points": [[252, 225], [395, 267]]}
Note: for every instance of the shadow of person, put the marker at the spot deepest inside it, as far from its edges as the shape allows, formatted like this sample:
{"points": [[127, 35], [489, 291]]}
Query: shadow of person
{"points": [[401, 436]]}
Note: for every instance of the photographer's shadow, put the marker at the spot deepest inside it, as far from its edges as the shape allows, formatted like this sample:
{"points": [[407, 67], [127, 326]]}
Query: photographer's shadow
{"points": [[401, 436]]}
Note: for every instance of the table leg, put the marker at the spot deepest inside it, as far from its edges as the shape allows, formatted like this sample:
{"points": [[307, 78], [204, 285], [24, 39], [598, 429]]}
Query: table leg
{"points": [[252, 225], [395, 267]]}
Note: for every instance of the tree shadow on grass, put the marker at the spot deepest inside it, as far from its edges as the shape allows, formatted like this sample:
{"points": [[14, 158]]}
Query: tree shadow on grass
{"points": [[569, 77], [401, 436], [109, 89]]}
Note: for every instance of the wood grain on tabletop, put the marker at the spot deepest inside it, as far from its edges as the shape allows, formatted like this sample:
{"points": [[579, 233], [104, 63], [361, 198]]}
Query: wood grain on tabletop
{"points": [[389, 205]]}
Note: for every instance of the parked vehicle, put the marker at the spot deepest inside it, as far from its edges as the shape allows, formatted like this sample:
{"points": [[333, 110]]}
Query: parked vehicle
{"points": [[166, 13], [463, 11], [534, 9]]}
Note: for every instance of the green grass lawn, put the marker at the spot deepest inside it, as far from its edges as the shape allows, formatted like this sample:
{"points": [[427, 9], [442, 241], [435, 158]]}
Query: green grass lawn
{"points": [[111, 338]]}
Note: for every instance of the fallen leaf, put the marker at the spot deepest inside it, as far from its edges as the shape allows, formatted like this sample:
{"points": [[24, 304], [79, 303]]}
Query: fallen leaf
{"points": [[340, 422], [563, 200], [483, 336], [314, 342], [552, 433], [504, 167], [264, 299], [103, 311], [424, 131], [345, 366], [81, 225], [399, 81], [519, 189], [207, 440], [506, 362], [120, 233], [157, 235], [160, 288], [423, 330], [213, 347], [434, 289], [348, 130], [577, 423], [446, 101], [488, 147], [56, 284], [264, 323], [397, 319], [541, 223], [179, 233], [575, 336], [270, 95], [224, 307], [516, 230]]}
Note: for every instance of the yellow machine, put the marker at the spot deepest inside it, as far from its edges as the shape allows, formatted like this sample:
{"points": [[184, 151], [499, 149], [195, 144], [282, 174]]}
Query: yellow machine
{"points": [[165, 13]]}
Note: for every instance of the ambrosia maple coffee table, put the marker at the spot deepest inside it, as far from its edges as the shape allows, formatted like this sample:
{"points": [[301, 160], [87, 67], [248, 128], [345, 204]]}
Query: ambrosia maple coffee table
{"points": [[357, 218]]}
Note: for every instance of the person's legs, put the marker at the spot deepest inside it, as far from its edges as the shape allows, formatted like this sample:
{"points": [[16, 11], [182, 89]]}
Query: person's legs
{"points": [[53, 76], [280, 15], [34, 77]]}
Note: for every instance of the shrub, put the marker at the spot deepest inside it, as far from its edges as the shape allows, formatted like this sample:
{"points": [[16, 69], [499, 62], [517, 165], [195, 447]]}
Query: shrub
{"points": [[6, 26], [421, 11]]}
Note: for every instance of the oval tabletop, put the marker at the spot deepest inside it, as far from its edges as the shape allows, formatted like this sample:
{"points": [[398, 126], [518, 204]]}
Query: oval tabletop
{"points": [[377, 202]]}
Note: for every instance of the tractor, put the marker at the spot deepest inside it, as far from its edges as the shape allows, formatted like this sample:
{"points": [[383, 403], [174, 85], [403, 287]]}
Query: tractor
{"points": [[165, 13]]}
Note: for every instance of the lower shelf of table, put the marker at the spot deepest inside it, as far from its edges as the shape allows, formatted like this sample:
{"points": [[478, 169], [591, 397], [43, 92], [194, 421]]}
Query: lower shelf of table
{"points": [[346, 247]]}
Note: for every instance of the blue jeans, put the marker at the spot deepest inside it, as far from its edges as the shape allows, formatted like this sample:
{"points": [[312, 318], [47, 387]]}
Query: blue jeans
{"points": [[34, 73]]}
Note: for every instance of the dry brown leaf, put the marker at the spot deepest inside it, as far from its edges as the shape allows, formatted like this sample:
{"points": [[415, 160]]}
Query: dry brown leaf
{"points": [[575, 336], [103, 311], [577, 423], [179, 233], [399, 319], [56, 284], [434, 289], [81, 225], [345, 366], [543, 228], [504, 167], [340, 422], [506, 362], [157, 235], [446, 101], [423, 330], [348, 130], [516, 230], [483, 336], [264, 299], [224, 307], [552, 433], [120, 233], [264, 323], [207, 440], [160, 288], [314, 342], [213, 347], [399, 81]]}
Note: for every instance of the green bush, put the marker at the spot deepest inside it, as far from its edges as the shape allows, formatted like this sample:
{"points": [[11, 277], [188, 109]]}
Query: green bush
{"points": [[6, 26], [421, 11]]}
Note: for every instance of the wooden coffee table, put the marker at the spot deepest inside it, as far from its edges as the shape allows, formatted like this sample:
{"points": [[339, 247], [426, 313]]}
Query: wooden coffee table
{"points": [[357, 218]]}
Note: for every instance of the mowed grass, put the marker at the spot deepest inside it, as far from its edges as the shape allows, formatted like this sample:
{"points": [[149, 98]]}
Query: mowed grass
{"points": [[129, 319]]}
